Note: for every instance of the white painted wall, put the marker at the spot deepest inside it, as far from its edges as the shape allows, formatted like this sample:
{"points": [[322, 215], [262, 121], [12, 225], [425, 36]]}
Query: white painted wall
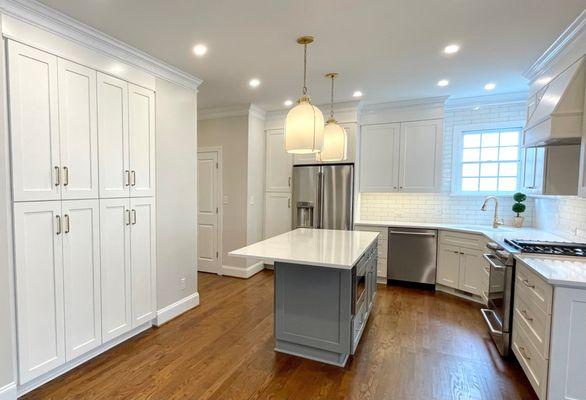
{"points": [[255, 179], [176, 165]]}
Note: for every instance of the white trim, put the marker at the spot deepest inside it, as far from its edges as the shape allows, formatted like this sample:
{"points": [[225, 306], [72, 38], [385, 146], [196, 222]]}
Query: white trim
{"points": [[390, 105], [243, 272], [222, 112], [220, 205], [556, 48], [486, 100], [35, 383], [174, 310], [48, 19], [8, 392], [257, 112]]}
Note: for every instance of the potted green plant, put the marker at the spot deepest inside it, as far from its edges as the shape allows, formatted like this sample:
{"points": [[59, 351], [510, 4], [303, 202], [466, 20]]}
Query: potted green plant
{"points": [[519, 208]]}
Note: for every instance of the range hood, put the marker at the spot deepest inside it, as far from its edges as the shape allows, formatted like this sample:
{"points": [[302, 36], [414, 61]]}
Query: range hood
{"points": [[556, 116]]}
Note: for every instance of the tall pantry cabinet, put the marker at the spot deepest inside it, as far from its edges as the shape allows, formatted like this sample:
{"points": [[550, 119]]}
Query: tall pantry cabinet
{"points": [[82, 145]]}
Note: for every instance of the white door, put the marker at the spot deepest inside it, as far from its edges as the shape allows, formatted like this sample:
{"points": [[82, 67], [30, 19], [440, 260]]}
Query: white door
{"points": [[141, 128], [277, 214], [34, 123], [420, 156], [81, 276], [38, 233], [115, 271], [448, 266], [113, 137], [379, 158], [207, 212], [279, 163], [142, 259], [78, 130], [471, 270]]}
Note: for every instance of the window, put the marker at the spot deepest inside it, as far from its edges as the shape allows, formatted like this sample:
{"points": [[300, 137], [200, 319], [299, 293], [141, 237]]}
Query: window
{"points": [[487, 161]]}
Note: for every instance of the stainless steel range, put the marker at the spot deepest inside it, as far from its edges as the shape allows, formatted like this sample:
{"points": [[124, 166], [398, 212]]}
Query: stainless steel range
{"points": [[551, 248]]}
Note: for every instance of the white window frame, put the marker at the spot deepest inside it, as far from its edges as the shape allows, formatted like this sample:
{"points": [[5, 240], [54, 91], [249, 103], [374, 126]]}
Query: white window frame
{"points": [[457, 155]]}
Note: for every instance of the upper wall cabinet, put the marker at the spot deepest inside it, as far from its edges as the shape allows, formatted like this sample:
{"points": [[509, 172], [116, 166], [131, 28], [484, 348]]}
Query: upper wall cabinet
{"points": [[551, 170], [141, 131], [403, 157], [279, 163]]}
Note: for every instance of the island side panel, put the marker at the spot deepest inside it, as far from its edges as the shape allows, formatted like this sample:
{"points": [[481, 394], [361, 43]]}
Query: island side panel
{"points": [[313, 312]]}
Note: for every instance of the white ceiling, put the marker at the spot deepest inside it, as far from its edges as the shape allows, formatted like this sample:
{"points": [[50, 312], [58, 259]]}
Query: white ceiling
{"points": [[389, 49]]}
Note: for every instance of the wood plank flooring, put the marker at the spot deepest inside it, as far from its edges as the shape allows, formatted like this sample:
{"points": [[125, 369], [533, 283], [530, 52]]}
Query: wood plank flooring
{"points": [[417, 345]]}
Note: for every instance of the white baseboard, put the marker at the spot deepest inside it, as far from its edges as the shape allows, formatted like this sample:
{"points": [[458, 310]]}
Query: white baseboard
{"points": [[41, 380], [8, 392], [243, 272], [166, 314]]}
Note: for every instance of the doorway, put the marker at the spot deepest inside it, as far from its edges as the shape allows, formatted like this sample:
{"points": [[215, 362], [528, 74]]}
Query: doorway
{"points": [[209, 210]]}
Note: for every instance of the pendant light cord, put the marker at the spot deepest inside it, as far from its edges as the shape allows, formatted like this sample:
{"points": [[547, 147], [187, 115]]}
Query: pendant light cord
{"points": [[332, 100], [305, 69]]}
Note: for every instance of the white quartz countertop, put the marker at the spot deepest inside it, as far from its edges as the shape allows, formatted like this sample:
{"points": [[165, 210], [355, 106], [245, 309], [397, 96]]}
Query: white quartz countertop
{"points": [[319, 247], [557, 271]]}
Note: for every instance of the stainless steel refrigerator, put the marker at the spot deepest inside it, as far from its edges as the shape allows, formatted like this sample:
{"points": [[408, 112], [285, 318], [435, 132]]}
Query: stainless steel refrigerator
{"points": [[323, 196]]}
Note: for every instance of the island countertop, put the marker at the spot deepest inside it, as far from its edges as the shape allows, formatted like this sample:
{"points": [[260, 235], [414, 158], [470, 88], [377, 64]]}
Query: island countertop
{"points": [[318, 247]]}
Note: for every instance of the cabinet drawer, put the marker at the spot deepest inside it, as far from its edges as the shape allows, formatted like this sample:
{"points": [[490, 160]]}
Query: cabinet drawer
{"points": [[534, 290], [536, 323], [467, 240], [534, 365]]}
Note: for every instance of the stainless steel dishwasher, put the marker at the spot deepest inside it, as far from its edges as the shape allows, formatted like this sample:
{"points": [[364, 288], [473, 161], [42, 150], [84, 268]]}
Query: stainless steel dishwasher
{"points": [[412, 257]]}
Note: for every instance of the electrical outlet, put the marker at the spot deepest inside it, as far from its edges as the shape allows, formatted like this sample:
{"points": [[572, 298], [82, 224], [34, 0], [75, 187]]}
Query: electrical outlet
{"points": [[182, 283]]}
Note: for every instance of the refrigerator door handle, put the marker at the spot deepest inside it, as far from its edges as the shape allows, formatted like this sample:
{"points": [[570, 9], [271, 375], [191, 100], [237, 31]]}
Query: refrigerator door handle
{"points": [[320, 193]]}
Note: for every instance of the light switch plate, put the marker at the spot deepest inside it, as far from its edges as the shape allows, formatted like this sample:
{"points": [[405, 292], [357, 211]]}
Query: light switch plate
{"points": [[225, 199]]}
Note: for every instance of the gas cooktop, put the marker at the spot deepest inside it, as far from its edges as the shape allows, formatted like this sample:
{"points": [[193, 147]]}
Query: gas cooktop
{"points": [[551, 248]]}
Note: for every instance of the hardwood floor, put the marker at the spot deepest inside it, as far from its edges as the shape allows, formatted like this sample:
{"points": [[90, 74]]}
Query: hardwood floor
{"points": [[417, 345]]}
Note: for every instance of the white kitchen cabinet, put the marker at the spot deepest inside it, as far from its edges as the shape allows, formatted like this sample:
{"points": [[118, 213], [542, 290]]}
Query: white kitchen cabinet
{"points": [[114, 164], [38, 256], [420, 158], [448, 266], [115, 273], [142, 260], [141, 130], [81, 276], [552, 170], [471, 270], [279, 163], [379, 158], [278, 217], [78, 131], [33, 90]]}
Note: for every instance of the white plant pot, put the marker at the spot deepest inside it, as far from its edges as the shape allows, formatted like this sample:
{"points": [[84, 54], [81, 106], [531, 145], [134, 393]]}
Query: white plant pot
{"points": [[518, 221]]}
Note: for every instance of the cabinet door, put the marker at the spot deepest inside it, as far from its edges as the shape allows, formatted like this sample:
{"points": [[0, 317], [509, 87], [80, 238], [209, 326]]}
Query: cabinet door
{"points": [[39, 287], [529, 169], [379, 158], [471, 270], [142, 260], [113, 137], [141, 128], [34, 123], [81, 276], [279, 163], [421, 156], [78, 126], [115, 271], [448, 266], [277, 214]]}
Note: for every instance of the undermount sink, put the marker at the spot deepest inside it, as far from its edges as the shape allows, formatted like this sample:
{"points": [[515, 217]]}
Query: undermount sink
{"points": [[487, 228]]}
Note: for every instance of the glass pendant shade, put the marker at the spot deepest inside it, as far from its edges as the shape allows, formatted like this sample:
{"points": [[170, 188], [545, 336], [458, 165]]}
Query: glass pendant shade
{"points": [[334, 142], [304, 128]]}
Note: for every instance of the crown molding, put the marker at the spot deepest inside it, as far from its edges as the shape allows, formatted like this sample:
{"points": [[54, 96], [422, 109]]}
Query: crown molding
{"points": [[561, 43], [491, 99], [256, 111], [390, 105], [46, 18], [223, 112]]}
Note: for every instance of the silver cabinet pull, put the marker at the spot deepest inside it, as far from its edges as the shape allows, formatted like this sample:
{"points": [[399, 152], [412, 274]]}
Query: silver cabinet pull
{"points": [[289, 181], [526, 283], [65, 176], [58, 218], [133, 216], [289, 202], [66, 218], [57, 176], [523, 352], [127, 217], [133, 176], [126, 177], [526, 316]]}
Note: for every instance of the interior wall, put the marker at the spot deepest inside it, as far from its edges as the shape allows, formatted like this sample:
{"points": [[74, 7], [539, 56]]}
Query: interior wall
{"points": [[256, 181], [176, 165], [231, 133]]}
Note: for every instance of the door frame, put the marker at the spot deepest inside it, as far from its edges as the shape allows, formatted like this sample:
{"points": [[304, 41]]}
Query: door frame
{"points": [[220, 196]]}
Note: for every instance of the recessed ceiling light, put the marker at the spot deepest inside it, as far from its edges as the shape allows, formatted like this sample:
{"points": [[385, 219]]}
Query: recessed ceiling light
{"points": [[443, 83], [476, 108], [357, 93], [287, 103], [200, 49], [254, 82], [489, 86], [451, 49]]}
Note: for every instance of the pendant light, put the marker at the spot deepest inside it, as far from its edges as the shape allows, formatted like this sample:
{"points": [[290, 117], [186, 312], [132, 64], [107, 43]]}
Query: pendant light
{"points": [[334, 147], [304, 124]]}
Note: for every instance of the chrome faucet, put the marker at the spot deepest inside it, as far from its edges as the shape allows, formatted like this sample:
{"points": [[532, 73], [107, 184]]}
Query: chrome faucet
{"points": [[495, 220]]}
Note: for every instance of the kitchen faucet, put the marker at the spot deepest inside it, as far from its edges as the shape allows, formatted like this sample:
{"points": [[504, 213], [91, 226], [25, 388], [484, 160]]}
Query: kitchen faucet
{"points": [[495, 220]]}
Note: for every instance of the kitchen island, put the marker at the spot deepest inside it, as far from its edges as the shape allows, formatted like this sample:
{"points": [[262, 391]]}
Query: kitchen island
{"points": [[325, 286]]}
